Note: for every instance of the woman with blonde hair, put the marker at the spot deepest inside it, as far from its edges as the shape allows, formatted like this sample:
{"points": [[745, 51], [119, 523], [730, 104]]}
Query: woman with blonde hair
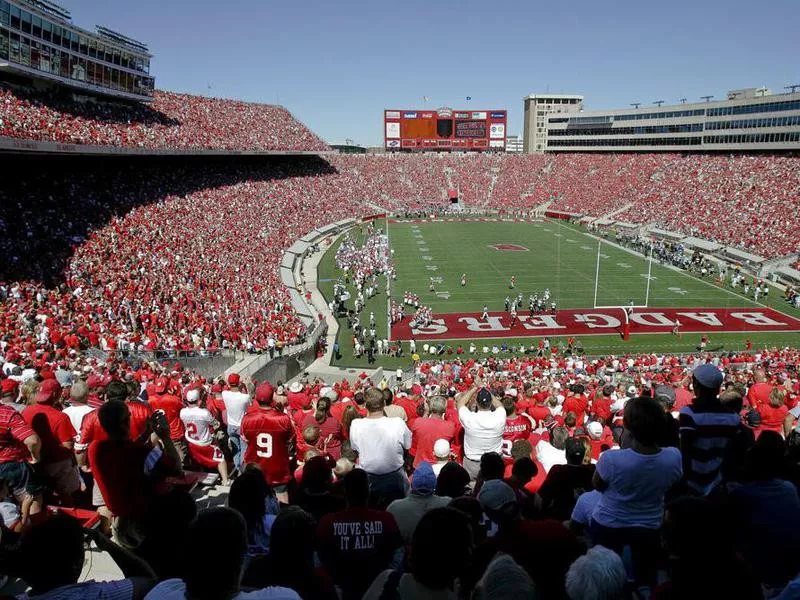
{"points": [[775, 415], [28, 392]]}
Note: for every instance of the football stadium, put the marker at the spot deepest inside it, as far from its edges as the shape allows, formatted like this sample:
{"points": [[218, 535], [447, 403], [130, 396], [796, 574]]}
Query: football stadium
{"points": [[240, 360]]}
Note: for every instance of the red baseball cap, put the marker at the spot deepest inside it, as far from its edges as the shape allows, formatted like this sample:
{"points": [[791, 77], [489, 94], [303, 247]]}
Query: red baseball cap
{"points": [[10, 386], [49, 391], [264, 393], [233, 379]]}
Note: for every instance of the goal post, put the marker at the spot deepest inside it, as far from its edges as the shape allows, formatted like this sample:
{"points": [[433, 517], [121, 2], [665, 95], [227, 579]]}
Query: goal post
{"points": [[622, 305]]}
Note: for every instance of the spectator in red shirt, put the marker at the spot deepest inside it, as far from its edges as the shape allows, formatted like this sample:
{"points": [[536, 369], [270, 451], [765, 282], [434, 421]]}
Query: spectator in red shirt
{"points": [[19, 447], [408, 404], [775, 414], [601, 405], [576, 403], [426, 430], [128, 472], [600, 438], [338, 405], [297, 397], [330, 429], [518, 426], [270, 441], [171, 405], [538, 409], [57, 435], [759, 392]]}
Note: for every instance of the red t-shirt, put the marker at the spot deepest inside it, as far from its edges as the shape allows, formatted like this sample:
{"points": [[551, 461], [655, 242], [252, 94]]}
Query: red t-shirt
{"points": [[424, 433], [217, 408], [91, 430], [119, 471], [171, 405], [409, 405], [601, 407], [54, 428], [536, 482], [577, 405], [13, 431], [758, 394], [772, 418], [297, 400], [337, 409], [271, 441], [683, 397], [329, 427], [518, 428], [140, 414], [539, 413]]}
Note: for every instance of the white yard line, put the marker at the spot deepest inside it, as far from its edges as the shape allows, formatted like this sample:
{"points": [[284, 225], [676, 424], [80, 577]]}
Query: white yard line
{"points": [[682, 272]]}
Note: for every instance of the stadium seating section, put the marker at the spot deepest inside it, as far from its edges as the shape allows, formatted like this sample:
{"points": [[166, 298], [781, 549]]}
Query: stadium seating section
{"points": [[171, 122], [173, 245], [744, 201]]}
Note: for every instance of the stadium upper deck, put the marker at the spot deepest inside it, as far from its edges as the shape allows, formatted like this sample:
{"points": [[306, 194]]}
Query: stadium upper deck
{"points": [[38, 39], [173, 122]]}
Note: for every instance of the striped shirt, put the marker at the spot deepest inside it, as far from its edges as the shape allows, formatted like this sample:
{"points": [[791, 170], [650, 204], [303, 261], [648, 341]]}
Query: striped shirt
{"points": [[705, 439], [13, 432], [88, 590]]}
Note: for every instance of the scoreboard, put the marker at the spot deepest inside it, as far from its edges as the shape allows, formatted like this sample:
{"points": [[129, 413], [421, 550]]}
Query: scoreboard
{"points": [[444, 129]]}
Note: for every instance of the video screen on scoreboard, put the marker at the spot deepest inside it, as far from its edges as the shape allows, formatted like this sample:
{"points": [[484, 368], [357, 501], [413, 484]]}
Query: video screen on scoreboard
{"points": [[418, 128], [470, 129]]}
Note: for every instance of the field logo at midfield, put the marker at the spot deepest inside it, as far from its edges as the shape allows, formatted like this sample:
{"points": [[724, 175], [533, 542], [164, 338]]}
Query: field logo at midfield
{"points": [[509, 247]]}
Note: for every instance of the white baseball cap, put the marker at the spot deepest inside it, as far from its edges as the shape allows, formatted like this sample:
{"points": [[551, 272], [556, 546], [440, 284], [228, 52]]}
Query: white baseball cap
{"points": [[441, 448], [595, 429]]}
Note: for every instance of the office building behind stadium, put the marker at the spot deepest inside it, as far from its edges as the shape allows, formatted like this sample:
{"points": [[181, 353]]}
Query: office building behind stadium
{"points": [[537, 107], [752, 119], [39, 41]]}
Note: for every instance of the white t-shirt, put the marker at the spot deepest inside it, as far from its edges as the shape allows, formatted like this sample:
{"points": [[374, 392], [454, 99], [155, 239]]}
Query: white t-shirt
{"points": [[548, 455], [236, 404], [76, 414], [380, 443], [197, 422], [175, 589], [483, 431], [636, 486]]}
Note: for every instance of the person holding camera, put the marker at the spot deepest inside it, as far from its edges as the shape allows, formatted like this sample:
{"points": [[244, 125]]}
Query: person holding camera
{"points": [[129, 472]]}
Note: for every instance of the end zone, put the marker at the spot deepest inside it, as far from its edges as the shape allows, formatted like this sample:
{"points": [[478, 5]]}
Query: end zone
{"points": [[589, 321]]}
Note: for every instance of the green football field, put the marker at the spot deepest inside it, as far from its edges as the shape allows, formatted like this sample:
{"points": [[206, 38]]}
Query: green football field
{"points": [[551, 255]]}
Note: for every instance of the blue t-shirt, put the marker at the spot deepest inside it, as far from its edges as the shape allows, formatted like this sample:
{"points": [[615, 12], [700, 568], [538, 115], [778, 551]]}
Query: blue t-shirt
{"points": [[584, 507], [636, 487]]}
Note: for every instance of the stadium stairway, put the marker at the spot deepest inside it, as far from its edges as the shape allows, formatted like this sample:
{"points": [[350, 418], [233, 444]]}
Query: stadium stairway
{"points": [[321, 367], [615, 212]]}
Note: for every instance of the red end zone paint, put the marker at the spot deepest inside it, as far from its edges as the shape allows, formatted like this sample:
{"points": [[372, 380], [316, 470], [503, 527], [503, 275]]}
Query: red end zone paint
{"points": [[596, 322], [509, 247]]}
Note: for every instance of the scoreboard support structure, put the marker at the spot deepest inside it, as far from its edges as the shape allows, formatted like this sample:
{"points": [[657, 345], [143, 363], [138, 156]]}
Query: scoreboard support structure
{"points": [[445, 129]]}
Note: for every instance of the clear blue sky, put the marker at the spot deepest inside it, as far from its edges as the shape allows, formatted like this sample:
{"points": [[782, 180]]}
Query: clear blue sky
{"points": [[337, 65]]}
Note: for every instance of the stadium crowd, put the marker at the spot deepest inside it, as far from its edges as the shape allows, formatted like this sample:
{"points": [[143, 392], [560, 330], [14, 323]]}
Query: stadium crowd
{"points": [[544, 477], [163, 263], [531, 476], [743, 201], [171, 122]]}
